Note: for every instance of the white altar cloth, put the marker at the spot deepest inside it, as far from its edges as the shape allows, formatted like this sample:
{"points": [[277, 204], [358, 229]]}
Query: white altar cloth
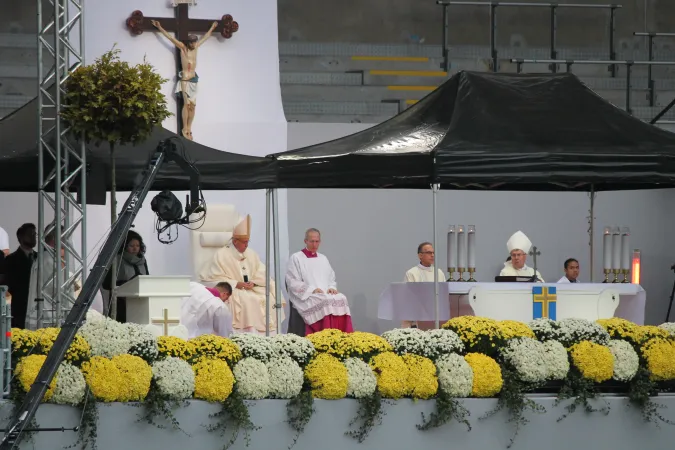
{"points": [[632, 298]]}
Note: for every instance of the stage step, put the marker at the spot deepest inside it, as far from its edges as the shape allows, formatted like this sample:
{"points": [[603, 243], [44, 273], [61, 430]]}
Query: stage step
{"points": [[342, 108]]}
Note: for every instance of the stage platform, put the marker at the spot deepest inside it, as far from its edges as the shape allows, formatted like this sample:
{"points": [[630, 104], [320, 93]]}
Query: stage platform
{"points": [[622, 429]]}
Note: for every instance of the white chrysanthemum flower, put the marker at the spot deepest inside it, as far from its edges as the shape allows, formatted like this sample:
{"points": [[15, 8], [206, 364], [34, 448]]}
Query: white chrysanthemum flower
{"points": [[577, 330], [142, 342], [70, 385], [557, 361], [408, 340], [455, 376], [94, 316], [669, 327], [442, 342], [298, 348], [106, 337], [361, 381], [545, 329], [174, 378], [626, 360], [286, 377], [254, 346], [526, 356], [252, 378]]}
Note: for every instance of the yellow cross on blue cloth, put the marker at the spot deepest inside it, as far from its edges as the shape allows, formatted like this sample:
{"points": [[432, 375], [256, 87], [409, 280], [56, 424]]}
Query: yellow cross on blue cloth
{"points": [[544, 299]]}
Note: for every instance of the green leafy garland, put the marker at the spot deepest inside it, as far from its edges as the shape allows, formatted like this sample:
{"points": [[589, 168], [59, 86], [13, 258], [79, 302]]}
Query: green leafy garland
{"points": [[640, 391], [369, 414], [299, 410], [233, 410], [157, 404], [87, 432], [513, 399], [582, 390], [446, 409]]}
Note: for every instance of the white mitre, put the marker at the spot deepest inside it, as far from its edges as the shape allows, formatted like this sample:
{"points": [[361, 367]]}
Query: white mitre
{"points": [[519, 241], [243, 229]]}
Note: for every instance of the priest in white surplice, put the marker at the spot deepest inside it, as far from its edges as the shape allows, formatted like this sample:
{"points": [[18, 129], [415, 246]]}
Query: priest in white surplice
{"points": [[240, 266], [312, 289], [206, 310], [423, 272], [519, 246]]}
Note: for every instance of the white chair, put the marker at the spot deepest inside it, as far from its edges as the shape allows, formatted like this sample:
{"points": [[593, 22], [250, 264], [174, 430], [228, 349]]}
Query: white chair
{"points": [[214, 234]]}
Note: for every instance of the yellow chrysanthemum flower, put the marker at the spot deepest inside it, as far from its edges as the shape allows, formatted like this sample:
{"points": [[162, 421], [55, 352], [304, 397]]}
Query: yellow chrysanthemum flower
{"points": [[103, 378], [210, 346], [660, 357], [513, 329], [360, 345], [327, 340], [23, 341], [422, 380], [623, 329], [478, 334], [594, 361], [645, 333], [136, 377], [78, 352], [27, 370], [392, 375], [214, 380], [487, 375], [174, 347], [327, 376]]}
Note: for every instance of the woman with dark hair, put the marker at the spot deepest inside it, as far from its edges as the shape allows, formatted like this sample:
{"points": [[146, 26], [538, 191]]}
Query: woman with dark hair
{"points": [[131, 264]]}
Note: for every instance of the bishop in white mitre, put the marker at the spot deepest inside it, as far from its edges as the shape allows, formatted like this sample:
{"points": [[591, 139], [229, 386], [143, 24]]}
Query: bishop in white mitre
{"points": [[240, 266], [423, 272], [206, 310], [519, 246], [312, 289]]}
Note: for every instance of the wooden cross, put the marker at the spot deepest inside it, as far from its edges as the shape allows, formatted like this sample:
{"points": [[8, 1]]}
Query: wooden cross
{"points": [[165, 321], [182, 26]]}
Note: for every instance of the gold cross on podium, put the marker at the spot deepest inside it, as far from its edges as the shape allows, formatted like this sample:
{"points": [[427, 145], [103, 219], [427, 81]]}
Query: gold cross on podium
{"points": [[165, 321]]}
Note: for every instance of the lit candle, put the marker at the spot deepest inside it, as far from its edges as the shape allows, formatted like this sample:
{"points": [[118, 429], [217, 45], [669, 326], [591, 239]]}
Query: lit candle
{"points": [[607, 248], [616, 249], [471, 246], [452, 248], [461, 247], [635, 269], [625, 249]]}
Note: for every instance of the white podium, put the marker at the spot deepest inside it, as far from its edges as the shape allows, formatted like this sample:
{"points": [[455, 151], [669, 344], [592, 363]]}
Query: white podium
{"points": [[155, 300]]}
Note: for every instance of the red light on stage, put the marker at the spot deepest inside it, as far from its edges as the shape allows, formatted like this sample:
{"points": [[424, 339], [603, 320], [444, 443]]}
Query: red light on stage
{"points": [[635, 267]]}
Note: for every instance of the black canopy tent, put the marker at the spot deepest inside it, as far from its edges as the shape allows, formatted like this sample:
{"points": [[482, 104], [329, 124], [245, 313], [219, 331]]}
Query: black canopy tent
{"points": [[218, 170], [495, 131]]}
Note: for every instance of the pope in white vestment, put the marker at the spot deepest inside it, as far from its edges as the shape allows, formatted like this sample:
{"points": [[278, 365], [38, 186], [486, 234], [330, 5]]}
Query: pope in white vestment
{"points": [[205, 313], [519, 246], [312, 289], [241, 267], [423, 272]]}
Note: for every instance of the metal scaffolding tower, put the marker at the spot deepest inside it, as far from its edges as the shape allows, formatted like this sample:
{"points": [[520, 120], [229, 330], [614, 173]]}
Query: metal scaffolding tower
{"points": [[60, 45]]}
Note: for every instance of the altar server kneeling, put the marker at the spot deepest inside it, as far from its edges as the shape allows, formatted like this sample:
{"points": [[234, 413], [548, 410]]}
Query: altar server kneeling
{"points": [[207, 311]]}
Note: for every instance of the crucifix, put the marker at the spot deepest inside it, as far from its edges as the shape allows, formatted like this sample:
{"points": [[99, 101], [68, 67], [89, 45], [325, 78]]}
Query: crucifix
{"points": [[534, 253], [186, 51], [165, 321]]}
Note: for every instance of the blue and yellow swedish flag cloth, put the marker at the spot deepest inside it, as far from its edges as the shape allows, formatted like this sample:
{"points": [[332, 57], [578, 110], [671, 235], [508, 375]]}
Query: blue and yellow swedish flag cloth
{"points": [[544, 299]]}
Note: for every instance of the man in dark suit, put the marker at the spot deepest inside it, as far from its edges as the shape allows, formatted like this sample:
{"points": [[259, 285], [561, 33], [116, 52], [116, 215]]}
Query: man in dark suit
{"points": [[17, 272]]}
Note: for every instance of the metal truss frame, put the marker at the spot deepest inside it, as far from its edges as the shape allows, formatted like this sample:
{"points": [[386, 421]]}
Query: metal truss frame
{"points": [[60, 50]]}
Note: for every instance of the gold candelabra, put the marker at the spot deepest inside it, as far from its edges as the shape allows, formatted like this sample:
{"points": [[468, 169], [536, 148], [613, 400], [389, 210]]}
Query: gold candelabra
{"points": [[607, 272], [461, 274], [626, 274], [471, 270], [616, 275], [451, 274]]}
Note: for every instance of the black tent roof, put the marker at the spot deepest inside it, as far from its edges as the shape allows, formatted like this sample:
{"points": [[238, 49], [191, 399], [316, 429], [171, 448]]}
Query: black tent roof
{"points": [[495, 131], [218, 170]]}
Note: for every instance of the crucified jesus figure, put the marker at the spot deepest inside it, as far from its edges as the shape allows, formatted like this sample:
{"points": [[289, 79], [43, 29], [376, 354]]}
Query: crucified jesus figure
{"points": [[187, 77]]}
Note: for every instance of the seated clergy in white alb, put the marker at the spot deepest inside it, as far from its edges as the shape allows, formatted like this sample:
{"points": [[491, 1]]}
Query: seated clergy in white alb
{"points": [[241, 267], [423, 272], [312, 289], [571, 267], [206, 310], [519, 246]]}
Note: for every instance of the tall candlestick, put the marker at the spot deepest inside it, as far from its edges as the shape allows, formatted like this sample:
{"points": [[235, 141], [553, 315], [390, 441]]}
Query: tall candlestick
{"points": [[625, 249], [616, 249], [452, 248], [471, 246], [607, 248], [461, 247]]}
